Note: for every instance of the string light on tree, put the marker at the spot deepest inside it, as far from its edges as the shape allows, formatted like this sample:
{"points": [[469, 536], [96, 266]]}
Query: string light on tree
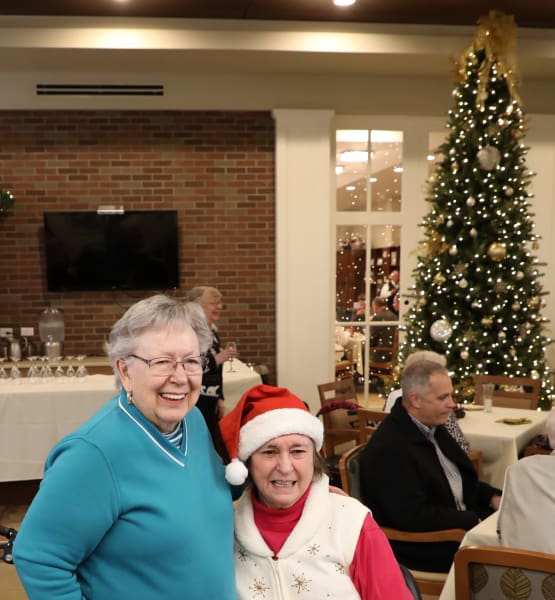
{"points": [[476, 285]]}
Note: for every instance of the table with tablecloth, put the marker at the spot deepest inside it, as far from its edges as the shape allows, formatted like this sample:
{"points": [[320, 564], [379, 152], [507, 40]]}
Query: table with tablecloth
{"points": [[35, 415], [238, 381], [500, 443], [483, 534]]}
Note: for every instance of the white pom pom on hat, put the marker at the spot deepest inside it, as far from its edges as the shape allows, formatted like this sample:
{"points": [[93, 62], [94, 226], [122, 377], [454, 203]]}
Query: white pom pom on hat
{"points": [[263, 413]]}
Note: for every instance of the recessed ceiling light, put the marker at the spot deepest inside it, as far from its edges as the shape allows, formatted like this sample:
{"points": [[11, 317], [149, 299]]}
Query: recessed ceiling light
{"points": [[344, 2], [354, 156]]}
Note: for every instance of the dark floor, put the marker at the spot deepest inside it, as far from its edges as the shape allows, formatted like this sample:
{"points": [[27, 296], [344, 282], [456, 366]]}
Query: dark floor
{"points": [[14, 500]]}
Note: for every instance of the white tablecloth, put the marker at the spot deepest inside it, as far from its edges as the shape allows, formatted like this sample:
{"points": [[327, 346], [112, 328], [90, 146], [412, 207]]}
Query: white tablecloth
{"points": [[34, 416], [484, 534], [500, 443], [236, 383]]}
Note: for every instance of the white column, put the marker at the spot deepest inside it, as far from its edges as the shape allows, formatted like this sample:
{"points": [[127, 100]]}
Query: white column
{"points": [[304, 268]]}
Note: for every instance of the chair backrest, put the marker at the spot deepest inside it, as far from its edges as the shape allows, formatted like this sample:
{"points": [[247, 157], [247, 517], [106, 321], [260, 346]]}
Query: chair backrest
{"points": [[429, 582], [368, 421], [411, 582], [340, 424], [509, 391], [345, 367], [484, 572], [349, 471], [383, 359]]}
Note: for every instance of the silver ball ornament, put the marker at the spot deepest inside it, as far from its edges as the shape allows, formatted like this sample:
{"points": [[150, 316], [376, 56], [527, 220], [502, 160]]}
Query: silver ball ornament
{"points": [[441, 330], [464, 355], [470, 201], [488, 157]]}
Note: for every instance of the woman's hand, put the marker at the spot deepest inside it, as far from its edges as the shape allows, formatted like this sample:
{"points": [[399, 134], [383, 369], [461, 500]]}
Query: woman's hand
{"points": [[224, 355]]}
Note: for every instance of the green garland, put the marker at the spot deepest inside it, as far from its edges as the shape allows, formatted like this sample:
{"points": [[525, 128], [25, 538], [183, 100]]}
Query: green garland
{"points": [[6, 200]]}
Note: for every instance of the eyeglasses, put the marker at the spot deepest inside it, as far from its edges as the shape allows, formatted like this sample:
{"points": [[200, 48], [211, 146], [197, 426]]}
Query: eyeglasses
{"points": [[163, 366]]}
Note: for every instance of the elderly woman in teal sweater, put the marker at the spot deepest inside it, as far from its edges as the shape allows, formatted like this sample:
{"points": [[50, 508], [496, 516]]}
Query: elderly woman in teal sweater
{"points": [[134, 503]]}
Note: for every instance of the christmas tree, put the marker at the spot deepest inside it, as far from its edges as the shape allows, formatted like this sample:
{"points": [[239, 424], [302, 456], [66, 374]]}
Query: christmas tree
{"points": [[477, 295]]}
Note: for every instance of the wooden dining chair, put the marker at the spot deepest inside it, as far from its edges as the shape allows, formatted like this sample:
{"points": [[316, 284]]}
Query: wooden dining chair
{"points": [[345, 367], [484, 572], [509, 391], [429, 582], [368, 421], [349, 471], [338, 409], [383, 359]]}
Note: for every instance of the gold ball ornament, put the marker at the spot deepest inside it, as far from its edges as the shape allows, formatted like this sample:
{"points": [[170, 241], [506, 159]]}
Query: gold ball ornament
{"points": [[534, 302], [486, 322], [497, 252], [439, 278]]}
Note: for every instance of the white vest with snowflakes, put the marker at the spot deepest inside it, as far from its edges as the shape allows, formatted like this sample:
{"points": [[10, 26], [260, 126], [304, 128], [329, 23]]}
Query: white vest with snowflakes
{"points": [[314, 561]]}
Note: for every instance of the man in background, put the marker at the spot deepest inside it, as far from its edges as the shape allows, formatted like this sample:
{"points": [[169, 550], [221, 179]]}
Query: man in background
{"points": [[415, 477]]}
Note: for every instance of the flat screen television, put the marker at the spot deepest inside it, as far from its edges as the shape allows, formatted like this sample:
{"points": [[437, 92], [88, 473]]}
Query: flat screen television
{"points": [[134, 250]]}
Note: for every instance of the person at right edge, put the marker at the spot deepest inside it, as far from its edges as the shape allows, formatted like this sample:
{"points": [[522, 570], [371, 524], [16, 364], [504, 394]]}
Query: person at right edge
{"points": [[414, 476]]}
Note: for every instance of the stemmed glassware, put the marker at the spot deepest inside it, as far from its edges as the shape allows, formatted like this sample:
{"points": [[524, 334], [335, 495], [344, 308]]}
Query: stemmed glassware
{"points": [[59, 372], [70, 372], [3, 374], [45, 371], [231, 346], [33, 372], [81, 372], [15, 373]]}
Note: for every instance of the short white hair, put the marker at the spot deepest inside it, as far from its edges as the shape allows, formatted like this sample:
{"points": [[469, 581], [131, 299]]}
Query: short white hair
{"points": [[425, 355]]}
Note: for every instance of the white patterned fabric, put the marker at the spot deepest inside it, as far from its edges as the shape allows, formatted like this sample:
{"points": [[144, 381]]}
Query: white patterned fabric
{"points": [[330, 529]]}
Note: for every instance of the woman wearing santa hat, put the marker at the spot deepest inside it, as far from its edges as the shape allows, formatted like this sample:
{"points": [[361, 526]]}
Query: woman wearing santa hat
{"points": [[293, 537]]}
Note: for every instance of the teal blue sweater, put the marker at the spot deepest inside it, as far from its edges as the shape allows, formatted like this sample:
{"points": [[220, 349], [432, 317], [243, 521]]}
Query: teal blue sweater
{"points": [[122, 514]]}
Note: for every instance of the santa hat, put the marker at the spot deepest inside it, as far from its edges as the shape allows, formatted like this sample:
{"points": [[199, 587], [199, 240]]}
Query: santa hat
{"points": [[263, 413]]}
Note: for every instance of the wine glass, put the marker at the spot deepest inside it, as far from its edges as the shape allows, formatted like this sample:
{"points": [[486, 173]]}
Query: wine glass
{"points": [[81, 372], [231, 346], [59, 372], [70, 373], [33, 372], [3, 374], [15, 373]]}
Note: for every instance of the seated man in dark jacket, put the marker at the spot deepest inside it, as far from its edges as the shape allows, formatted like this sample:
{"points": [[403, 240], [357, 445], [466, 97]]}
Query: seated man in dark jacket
{"points": [[414, 475]]}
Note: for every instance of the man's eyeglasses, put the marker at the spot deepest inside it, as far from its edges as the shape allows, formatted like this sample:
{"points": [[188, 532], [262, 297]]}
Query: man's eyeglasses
{"points": [[163, 366]]}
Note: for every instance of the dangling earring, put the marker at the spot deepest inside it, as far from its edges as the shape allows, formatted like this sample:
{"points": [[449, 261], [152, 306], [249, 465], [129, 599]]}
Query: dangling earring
{"points": [[129, 397]]}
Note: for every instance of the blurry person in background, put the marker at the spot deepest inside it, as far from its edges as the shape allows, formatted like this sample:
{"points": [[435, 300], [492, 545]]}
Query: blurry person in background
{"points": [[211, 400]]}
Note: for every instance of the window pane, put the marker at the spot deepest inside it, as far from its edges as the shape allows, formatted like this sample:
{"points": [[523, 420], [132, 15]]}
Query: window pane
{"points": [[386, 170], [350, 287], [351, 169]]}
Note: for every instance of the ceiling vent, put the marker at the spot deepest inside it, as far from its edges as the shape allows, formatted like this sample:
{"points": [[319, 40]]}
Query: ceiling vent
{"points": [[63, 89]]}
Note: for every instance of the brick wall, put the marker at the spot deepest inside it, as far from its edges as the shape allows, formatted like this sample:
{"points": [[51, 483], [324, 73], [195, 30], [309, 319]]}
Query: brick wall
{"points": [[215, 168]]}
